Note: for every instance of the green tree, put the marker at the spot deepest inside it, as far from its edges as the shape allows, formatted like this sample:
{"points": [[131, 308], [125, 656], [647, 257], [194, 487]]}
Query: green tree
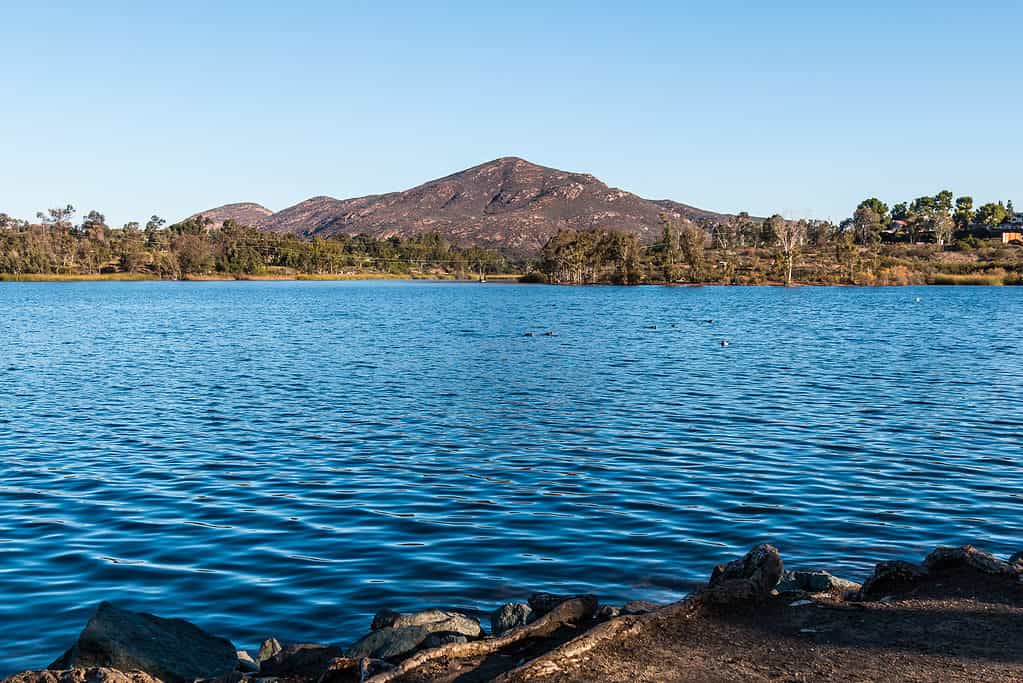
{"points": [[878, 207], [992, 214], [867, 225], [693, 241], [59, 218], [670, 251], [964, 213]]}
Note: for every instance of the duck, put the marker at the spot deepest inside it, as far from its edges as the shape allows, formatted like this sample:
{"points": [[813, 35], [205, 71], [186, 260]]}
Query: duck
{"points": [[528, 334], [549, 333], [724, 342]]}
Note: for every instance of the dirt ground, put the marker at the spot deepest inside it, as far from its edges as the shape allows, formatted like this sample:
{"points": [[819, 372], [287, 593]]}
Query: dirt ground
{"points": [[961, 627]]}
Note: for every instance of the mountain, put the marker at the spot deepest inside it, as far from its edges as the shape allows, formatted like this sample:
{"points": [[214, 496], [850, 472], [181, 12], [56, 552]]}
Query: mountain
{"points": [[508, 204], [245, 213]]}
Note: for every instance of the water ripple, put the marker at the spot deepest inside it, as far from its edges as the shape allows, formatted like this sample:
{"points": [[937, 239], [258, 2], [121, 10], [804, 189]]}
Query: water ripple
{"points": [[286, 458]]}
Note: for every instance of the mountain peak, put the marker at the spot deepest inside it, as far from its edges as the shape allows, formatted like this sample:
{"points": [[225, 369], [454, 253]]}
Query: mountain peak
{"points": [[507, 203], [245, 213]]}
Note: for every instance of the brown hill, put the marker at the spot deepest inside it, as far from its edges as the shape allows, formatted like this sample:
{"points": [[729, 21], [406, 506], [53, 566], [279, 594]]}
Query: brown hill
{"points": [[509, 204], [245, 213]]}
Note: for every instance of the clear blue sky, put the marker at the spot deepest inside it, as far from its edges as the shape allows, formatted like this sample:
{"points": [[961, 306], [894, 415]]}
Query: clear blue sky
{"points": [[133, 108]]}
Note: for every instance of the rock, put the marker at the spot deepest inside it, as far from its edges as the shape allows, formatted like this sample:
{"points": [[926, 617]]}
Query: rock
{"points": [[608, 612], [1017, 558], [269, 648], [437, 639], [371, 667], [453, 621], [814, 582], [300, 660], [639, 607], [752, 577], [233, 677], [509, 616], [894, 576], [342, 670], [172, 650], [542, 603], [246, 663], [383, 619], [409, 632], [80, 675], [944, 557]]}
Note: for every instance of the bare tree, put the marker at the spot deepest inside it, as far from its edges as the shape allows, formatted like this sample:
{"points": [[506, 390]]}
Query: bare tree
{"points": [[944, 227], [691, 240], [790, 235]]}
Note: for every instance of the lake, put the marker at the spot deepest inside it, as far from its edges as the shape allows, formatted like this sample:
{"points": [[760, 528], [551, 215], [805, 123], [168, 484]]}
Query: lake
{"points": [[286, 458]]}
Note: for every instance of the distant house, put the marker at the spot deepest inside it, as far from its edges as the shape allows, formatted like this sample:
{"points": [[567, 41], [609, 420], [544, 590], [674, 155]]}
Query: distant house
{"points": [[1012, 230]]}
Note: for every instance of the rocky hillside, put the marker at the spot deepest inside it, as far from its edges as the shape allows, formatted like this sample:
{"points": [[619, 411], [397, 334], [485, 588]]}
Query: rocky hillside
{"points": [[245, 213], [508, 203]]}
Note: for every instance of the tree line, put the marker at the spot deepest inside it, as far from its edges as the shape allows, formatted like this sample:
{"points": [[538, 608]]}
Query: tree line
{"points": [[58, 245], [938, 218], [742, 248]]}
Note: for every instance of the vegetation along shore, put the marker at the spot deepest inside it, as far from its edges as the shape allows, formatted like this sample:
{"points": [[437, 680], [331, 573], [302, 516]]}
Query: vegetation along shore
{"points": [[936, 239], [957, 617]]}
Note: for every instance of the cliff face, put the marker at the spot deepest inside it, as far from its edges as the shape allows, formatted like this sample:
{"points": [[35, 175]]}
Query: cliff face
{"points": [[508, 203]]}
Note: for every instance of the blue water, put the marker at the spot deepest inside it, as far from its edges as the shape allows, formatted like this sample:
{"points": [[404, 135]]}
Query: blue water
{"points": [[286, 458]]}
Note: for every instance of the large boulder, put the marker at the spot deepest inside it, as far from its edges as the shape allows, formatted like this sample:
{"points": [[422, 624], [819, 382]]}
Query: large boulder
{"points": [[79, 675], [944, 557], [751, 577], [509, 616], [402, 634], [892, 577], [172, 650]]}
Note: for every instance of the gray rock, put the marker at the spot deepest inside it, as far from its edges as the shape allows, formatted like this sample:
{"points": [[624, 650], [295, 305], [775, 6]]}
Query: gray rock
{"points": [[751, 577], [542, 603], [894, 576], [246, 663], [269, 648], [437, 639], [300, 660], [509, 616], [453, 621], [172, 650], [639, 607], [79, 675], [410, 632], [814, 582], [943, 557]]}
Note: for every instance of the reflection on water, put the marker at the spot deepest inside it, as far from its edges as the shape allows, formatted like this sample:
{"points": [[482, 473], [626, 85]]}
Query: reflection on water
{"points": [[286, 458]]}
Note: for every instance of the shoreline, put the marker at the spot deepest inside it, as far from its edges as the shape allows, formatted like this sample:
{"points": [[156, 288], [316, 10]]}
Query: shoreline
{"points": [[957, 615], [127, 277], [966, 281]]}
